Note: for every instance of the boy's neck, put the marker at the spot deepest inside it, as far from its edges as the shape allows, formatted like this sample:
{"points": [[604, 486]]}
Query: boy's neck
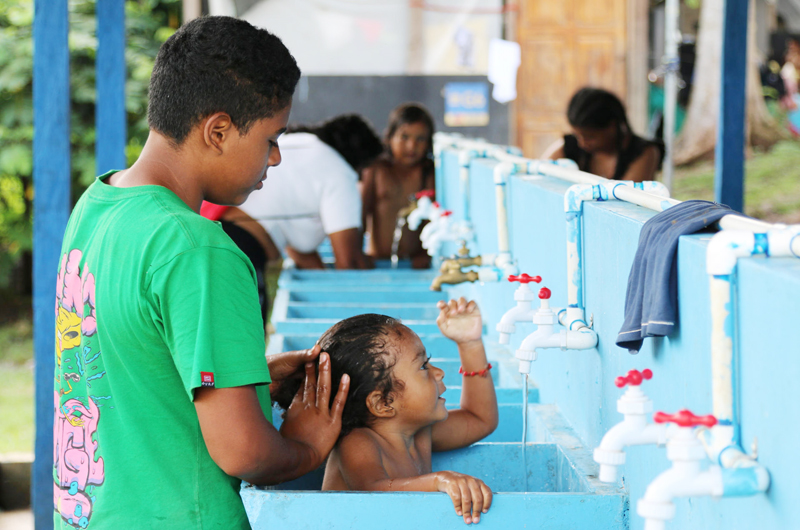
{"points": [[161, 163]]}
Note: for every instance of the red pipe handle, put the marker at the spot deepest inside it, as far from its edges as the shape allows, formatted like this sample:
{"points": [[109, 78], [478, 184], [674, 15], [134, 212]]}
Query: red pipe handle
{"points": [[524, 278], [634, 378], [685, 418]]}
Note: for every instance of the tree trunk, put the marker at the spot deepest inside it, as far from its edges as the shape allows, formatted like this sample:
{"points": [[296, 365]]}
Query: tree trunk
{"points": [[699, 134]]}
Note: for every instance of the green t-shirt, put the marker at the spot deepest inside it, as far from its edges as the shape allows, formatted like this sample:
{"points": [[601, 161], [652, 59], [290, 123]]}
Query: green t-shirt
{"points": [[153, 301]]}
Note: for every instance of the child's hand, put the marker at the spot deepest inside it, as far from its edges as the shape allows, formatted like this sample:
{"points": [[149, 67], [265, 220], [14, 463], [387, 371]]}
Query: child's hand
{"points": [[470, 495], [460, 321]]}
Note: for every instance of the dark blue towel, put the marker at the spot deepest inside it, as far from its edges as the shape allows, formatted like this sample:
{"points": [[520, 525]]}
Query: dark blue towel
{"points": [[651, 302]]}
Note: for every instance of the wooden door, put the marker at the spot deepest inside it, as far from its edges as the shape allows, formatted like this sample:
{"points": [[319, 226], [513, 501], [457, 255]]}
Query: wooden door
{"points": [[566, 44]]}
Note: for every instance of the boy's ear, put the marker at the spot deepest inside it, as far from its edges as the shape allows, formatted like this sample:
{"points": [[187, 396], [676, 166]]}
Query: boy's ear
{"points": [[378, 406], [217, 129]]}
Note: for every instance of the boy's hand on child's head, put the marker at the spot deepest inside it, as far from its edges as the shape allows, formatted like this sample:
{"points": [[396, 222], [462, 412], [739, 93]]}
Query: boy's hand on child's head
{"points": [[287, 370], [460, 320], [311, 419], [471, 496]]}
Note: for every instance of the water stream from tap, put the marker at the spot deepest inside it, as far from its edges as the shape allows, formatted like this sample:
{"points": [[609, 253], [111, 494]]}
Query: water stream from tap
{"points": [[398, 232], [525, 430]]}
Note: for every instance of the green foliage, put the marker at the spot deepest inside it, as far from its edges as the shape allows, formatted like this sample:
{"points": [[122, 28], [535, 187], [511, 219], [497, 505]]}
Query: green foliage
{"points": [[148, 24], [771, 190]]}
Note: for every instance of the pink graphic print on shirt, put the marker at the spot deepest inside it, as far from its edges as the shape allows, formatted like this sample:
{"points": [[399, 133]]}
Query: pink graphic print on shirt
{"points": [[76, 469]]}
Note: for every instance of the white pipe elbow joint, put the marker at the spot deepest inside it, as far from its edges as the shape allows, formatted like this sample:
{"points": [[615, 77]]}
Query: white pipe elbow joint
{"points": [[582, 339], [725, 248], [502, 171]]}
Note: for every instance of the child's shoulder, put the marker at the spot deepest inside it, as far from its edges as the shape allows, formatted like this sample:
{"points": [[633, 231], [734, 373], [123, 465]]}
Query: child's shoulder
{"points": [[361, 441]]}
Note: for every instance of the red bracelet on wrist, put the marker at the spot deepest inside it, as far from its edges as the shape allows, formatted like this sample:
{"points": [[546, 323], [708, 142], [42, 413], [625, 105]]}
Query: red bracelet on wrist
{"points": [[481, 373]]}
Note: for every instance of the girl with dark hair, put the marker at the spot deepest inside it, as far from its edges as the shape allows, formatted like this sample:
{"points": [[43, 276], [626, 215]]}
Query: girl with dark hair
{"points": [[391, 183], [395, 416], [602, 142]]}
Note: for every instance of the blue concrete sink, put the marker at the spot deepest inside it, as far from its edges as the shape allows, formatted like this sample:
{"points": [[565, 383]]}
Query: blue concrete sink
{"points": [[313, 325], [339, 311], [305, 279], [437, 345], [365, 295], [562, 493]]}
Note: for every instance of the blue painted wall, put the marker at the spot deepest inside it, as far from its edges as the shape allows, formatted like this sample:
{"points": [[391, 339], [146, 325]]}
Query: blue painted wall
{"points": [[581, 382]]}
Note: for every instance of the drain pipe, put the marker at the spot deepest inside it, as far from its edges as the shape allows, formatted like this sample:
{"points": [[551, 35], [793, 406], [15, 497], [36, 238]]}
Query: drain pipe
{"points": [[502, 264], [742, 474], [573, 206], [464, 160]]}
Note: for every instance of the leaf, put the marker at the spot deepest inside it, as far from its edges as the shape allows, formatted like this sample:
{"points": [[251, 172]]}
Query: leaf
{"points": [[16, 159]]}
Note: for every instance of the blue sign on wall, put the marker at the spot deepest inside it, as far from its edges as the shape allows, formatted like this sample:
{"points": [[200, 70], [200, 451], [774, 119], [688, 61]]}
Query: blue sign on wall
{"points": [[466, 104]]}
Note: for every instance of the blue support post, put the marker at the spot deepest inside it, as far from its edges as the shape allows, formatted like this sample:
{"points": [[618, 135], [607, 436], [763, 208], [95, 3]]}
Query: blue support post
{"points": [[729, 163], [51, 207], [110, 115]]}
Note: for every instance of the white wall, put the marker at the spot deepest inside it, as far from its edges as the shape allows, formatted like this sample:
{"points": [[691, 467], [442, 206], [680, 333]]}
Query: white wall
{"points": [[379, 37]]}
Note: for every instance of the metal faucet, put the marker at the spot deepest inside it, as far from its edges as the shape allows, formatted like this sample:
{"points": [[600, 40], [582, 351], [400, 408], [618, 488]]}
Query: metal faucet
{"points": [[451, 271]]}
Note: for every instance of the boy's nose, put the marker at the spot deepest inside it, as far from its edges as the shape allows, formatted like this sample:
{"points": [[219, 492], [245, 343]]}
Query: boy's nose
{"points": [[275, 157]]}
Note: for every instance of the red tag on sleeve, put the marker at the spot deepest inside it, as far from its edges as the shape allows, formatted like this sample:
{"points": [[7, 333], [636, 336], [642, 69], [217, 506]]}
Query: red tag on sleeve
{"points": [[207, 379]]}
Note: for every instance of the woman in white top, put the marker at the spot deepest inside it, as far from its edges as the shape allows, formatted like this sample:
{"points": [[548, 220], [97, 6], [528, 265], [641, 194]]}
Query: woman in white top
{"points": [[313, 193]]}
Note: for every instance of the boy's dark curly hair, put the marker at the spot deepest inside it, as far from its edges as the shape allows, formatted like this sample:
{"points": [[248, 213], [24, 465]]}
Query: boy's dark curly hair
{"points": [[219, 64], [350, 135], [358, 347]]}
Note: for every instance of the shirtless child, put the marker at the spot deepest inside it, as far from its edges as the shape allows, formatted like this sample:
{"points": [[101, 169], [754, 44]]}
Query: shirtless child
{"points": [[389, 184], [395, 417]]}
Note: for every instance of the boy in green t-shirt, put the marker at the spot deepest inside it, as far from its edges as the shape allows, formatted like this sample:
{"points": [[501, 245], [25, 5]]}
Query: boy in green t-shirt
{"points": [[162, 390]]}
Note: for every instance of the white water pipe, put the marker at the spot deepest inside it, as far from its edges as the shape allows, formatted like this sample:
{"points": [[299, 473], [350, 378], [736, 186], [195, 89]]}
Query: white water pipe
{"points": [[723, 441], [550, 169], [464, 160], [573, 207]]}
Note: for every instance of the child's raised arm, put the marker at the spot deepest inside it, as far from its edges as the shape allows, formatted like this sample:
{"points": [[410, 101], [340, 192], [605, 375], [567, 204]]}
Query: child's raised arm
{"points": [[362, 470], [477, 418]]}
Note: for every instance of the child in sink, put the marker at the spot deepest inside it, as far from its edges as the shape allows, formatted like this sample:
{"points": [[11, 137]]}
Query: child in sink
{"points": [[395, 415]]}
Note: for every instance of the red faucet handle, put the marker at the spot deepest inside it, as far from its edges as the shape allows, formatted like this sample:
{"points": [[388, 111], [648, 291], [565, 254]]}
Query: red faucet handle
{"points": [[425, 193], [544, 293], [524, 278], [446, 213], [436, 204], [685, 418], [634, 378]]}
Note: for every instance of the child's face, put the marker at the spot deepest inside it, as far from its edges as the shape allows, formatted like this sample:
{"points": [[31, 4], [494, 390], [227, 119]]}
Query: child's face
{"points": [[419, 402], [249, 156], [593, 140], [409, 143]]}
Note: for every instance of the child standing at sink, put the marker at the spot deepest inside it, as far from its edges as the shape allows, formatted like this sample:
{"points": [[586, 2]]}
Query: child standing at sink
{"points": [[405, 169], [395, 415]]}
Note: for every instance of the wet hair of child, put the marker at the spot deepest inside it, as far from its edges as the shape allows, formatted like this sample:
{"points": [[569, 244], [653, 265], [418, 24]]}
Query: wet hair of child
{"points": [[360, 347]]}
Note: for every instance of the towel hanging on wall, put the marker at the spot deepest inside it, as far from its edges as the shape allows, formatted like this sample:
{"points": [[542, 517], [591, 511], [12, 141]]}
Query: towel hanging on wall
{"points": [[651, 301]]}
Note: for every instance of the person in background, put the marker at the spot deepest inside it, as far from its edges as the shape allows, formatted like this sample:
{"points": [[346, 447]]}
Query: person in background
{"points": [[602, 142], [314, 194], [389, 185]]}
